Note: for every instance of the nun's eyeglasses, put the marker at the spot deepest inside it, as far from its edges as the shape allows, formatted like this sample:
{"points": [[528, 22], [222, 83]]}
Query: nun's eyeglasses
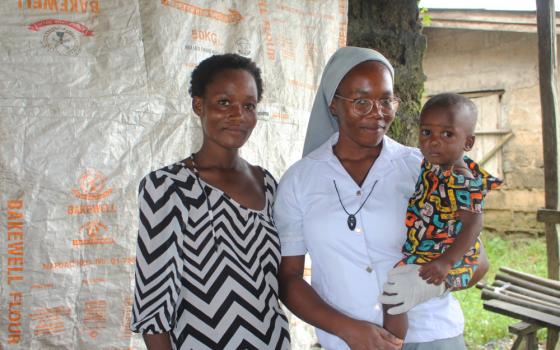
{"points": [[363, 106]]}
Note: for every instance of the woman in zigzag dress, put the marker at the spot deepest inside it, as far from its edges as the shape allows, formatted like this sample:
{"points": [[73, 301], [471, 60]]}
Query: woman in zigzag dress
{"points": [[208, 251]]}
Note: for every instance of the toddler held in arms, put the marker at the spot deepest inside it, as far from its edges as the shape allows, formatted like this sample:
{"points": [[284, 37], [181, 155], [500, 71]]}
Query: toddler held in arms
{"points": [[444, 215]]}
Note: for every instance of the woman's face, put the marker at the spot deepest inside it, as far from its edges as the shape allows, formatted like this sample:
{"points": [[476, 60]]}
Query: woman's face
{"points": [[368, 80], [227, 110]]}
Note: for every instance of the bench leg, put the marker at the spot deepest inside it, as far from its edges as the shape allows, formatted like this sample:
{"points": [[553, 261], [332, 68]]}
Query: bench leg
{"points": [[517, 343], [525, 332], [532, 341], [552, 339]]}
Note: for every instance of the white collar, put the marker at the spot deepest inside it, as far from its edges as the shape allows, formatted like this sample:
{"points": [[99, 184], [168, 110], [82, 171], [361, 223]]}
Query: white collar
{"points": [[390, 149], [383, 165]]}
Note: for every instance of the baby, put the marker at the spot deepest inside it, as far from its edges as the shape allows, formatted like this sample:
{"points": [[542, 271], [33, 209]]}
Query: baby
{"points": [[444, 215]]}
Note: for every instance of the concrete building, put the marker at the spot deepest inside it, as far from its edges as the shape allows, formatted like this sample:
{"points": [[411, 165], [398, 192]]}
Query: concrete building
{"points": [[492, 57]]}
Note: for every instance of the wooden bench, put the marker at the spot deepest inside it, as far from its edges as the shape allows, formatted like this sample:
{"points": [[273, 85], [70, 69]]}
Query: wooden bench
{"points": [[533, 300], [525, 331]]}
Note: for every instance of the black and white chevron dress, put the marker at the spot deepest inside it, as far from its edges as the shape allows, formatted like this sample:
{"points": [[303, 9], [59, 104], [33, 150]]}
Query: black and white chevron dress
{"points": [[211, 288]]}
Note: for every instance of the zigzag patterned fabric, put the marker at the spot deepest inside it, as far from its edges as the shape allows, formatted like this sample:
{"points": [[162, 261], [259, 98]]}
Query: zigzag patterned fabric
{"points": [[432, 216], [210, 288]]}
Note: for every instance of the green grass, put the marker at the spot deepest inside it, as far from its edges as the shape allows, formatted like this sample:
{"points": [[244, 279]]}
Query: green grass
{"points": [[527, 255]]}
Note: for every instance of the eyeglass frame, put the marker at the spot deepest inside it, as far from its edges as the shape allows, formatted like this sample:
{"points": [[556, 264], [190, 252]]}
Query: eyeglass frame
{"points": [[394, 100]]}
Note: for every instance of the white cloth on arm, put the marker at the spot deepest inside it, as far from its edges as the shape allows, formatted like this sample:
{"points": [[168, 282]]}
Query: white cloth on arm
{"points": [[405, 287], [310, 218]]}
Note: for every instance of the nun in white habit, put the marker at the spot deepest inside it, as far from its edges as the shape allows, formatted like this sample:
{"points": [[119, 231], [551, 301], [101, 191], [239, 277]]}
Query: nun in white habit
{"points": [[344, 204]]}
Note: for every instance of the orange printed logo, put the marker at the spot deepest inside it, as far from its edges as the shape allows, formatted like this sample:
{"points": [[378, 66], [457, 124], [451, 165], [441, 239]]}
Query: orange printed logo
{"points": [[93, 281], [49, 321], [205, 35], [72, 6], [49, 22], [304, 13], [232, 17], [93, 229], [127, 311], [92, 186], [286, 48], [14, 315], [95, 316], [60, 39]]}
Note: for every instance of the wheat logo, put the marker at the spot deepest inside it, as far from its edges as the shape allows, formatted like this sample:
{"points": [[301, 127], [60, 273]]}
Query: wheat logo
{"points": [[94, 231], [92, 186]]}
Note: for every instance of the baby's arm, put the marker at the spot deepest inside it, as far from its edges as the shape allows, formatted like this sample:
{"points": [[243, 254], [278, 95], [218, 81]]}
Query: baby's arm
{"points": [[483, 267], [436, 271]]}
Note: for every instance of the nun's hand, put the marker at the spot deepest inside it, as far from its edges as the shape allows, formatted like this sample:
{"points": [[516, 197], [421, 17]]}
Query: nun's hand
{"points": [[363, 335]]}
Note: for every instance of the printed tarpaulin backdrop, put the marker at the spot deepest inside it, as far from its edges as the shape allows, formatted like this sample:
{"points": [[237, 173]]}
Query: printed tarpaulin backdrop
{"points": [[93, 95]]}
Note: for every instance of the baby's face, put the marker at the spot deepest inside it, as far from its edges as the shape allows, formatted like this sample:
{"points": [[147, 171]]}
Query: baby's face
{"points": [[444, 135]]}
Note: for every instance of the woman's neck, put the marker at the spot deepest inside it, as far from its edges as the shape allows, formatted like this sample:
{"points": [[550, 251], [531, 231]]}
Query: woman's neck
{"points": [[357, 161], [218, 158], [354, 152]]}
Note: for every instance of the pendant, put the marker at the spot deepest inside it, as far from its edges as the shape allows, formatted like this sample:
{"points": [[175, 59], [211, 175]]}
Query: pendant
{"points": [[351, 222]]}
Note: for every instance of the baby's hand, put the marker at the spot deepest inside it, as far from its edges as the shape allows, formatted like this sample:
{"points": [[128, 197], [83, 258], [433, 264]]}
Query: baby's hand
{"points": [[435, 272]]}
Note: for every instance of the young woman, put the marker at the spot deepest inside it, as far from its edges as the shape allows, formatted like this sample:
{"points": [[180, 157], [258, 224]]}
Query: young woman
{"points": [[208, 251]]}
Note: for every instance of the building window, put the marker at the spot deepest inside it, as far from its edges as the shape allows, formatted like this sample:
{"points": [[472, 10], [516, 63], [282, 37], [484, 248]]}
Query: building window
{"points": [[491, 132]]}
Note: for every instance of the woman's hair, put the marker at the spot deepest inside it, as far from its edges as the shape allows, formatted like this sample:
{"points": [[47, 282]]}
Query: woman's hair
{"points": [[206, 70]]}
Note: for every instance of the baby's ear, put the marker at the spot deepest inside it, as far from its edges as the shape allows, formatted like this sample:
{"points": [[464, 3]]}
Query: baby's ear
{"points": [[469, 143]]}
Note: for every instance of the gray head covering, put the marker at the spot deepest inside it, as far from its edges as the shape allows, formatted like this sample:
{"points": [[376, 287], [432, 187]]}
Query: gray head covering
{"points": [[321, 123]]}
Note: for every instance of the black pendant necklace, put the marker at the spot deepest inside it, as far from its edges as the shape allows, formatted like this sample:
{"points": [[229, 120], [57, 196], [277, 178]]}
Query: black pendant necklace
{"points": [[351, 221]]}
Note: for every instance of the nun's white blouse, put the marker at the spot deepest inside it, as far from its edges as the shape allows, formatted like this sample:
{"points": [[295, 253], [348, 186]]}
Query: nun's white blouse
{"points": [[350, 267]]}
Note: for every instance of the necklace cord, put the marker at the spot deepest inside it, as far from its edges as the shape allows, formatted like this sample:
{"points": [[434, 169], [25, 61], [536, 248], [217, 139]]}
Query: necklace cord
{"points": [[364, 202]]}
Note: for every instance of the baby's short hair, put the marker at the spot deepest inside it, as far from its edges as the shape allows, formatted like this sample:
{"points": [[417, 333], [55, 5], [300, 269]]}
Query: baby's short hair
{"points": [[452, 100]]}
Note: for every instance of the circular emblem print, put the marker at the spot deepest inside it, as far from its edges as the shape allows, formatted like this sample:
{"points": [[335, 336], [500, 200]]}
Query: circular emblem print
{"points": [[92, 186], [62, 41], [243, 46], [92, 181]]}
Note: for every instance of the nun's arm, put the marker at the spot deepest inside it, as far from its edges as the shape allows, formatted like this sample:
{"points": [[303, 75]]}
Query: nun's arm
{"points": [[305, 303]]}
